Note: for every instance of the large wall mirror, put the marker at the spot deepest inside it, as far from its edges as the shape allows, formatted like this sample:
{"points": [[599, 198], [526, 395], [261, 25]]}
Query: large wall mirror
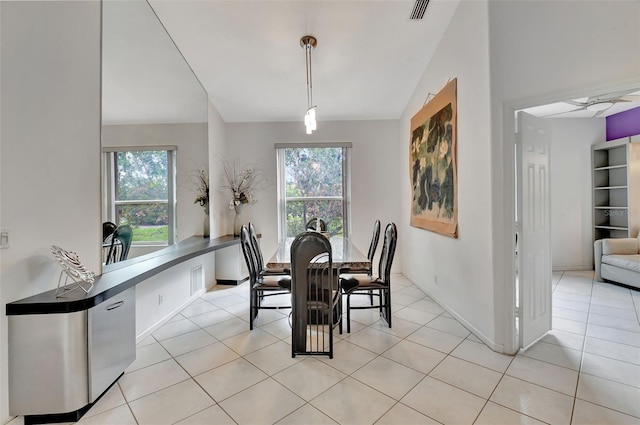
{"points": [[154, 132]]}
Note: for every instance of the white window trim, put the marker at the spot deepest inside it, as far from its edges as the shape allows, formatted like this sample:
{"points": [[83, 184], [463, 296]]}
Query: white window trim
{"points": [[346, 184]]}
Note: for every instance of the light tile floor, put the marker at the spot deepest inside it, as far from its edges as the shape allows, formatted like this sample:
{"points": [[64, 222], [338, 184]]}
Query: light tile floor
{"points": [[205, 367]]}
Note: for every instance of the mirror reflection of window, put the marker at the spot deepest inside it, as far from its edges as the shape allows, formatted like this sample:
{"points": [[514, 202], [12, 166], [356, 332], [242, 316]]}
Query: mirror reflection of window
{"points": [[141, 193]]}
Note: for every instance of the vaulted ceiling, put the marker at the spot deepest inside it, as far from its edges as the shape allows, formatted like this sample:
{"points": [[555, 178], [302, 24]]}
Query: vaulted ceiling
{"points": [[247, 56]]}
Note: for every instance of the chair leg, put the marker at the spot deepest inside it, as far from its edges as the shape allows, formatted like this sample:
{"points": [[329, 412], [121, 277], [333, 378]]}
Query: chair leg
{"points": [[251, 307], [257, 305], [330, 313], [387, 296], [340, 317], [348, 313]]}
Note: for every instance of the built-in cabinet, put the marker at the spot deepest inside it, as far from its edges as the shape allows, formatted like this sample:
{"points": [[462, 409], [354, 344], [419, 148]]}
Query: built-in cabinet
{"points": [[231, 269], [65, 352], [62, 362], [616, 188]]}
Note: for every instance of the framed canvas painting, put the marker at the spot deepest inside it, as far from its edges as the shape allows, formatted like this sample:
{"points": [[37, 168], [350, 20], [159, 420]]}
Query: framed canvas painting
{"points": [[433, 164]]}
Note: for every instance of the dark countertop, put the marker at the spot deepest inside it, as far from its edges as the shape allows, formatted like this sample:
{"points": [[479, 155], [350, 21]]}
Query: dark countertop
{"points": [[119, 279]]}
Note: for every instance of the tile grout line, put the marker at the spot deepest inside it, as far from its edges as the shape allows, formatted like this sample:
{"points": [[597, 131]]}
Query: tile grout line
{"points": [[584, 344], [486, 402], [593, 283]]}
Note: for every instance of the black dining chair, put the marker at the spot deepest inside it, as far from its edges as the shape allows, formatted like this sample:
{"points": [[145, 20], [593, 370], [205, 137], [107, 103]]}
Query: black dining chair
{"points": [[120, 244], [261, 286], [316, 296], [107, 229], [262, 270], [373, 245], [380, 287], [313, 225]]}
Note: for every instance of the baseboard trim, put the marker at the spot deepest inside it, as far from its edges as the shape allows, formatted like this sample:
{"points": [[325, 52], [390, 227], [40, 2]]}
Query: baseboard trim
{"points": [[231, 281], [571, 268], [489, 342], [73, 416], [169, 316]]}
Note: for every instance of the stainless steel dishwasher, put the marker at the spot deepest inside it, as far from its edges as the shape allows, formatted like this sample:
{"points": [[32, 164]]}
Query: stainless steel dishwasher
{"points": [[112, 340], [62, 362]]}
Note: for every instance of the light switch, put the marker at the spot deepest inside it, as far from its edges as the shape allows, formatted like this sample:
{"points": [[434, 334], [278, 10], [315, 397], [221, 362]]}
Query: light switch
{"points": [[4, 238]]}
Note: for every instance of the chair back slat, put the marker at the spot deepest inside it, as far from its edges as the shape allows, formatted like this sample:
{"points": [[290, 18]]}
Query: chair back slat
{"points": [[374, 243], [258, 258], [388, 252], [247, 251]]}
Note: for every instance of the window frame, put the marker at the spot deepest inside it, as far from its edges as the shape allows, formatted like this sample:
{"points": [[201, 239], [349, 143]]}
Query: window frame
{"points": [[109, 201], [281, 185]]}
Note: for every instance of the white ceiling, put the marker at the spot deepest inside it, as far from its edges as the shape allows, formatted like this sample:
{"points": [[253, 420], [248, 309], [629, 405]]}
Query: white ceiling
{"points": [[247, 56]]}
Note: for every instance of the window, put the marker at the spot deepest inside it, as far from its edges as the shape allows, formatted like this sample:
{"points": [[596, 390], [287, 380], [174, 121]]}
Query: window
{"points": [[313, 183], [140, 191]]}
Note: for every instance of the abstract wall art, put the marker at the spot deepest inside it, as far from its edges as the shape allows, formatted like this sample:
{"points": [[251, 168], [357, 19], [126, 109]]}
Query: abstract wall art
{"points": [[433, 164]]}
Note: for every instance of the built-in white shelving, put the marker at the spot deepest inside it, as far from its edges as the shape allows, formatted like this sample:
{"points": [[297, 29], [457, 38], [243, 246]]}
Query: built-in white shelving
{"points": [[616, 188]]}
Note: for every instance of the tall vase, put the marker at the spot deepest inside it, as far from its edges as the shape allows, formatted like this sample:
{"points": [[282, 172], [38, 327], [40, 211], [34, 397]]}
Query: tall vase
{"points": [[205, 232], [237, 220]]}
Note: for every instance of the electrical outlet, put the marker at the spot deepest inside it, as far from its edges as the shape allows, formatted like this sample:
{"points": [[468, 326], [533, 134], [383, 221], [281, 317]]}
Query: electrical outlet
{"points": [[4, 238], [160, 300], [435, 279]]}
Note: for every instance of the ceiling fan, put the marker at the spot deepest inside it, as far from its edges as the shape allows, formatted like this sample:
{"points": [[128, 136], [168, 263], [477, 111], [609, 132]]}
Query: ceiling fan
{"points": [[599, 104]]}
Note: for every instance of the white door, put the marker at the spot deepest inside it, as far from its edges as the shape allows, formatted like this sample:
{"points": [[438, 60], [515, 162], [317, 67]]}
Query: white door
{"points": [[533, 218]]}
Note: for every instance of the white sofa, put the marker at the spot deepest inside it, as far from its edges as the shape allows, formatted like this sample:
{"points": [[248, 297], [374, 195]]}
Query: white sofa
{"points": [[618, 260]]}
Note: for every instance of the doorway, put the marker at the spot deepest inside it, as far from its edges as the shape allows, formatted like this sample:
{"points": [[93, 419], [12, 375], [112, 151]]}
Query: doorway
{"points": [[616, 101]]}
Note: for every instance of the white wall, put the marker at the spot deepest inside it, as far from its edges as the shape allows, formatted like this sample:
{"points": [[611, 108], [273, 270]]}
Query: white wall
{"points": [[49, 146], [571, 208], [161, 296], [217, 149], [375, 172], [192, 154], [462, 266], [537, 56]]}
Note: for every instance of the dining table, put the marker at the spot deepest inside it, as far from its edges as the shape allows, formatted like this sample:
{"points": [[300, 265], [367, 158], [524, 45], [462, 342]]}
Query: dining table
{"points": [[345, 255]]}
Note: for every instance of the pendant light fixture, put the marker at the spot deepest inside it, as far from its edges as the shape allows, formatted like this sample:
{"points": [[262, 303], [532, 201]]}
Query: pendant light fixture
{"points": [[308, 42]]}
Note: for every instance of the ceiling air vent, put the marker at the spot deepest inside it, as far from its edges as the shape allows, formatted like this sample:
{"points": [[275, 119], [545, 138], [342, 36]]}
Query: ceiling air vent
{"points": [[419, 8]]}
